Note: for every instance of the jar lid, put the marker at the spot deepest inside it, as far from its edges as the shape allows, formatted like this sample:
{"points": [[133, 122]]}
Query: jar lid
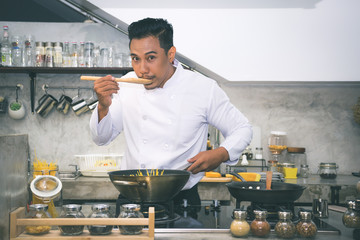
{"points": [[296, 149], [131, 206], [280, 133], [239, 214], [351, 204], [259, 148], [357, 204], [72, 207], [289, 165], [45, 186], [304, 165], [260, 213], [103, 207], [285, 215], [328, 165], [38, 207], [305, 215]]}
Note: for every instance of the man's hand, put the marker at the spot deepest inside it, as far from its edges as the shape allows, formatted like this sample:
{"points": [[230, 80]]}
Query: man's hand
{"points": [[208, 160], [104, 88]]}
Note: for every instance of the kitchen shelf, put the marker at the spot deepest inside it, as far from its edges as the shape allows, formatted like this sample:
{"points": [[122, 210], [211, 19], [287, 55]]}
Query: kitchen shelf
{"points": [[33, 71], [18, 223]]}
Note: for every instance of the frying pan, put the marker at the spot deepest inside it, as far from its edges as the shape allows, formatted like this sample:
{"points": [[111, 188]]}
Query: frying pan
{"points": [[161, 188], [256, 192]]}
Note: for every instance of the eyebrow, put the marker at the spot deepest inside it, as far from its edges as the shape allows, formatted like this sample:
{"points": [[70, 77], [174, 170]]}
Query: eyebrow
{"points": [[151, 52]]}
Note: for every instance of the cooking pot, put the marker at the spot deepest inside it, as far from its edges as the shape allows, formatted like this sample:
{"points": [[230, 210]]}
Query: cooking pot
{"points": [[256, 192], [160, 188]]}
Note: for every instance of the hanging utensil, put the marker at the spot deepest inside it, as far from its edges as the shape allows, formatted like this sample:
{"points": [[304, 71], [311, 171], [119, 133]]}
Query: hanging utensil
{"points": [[128, 80]]}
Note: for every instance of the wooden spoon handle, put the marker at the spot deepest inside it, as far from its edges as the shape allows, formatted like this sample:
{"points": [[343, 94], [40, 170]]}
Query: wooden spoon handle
{"points": [[128, 80], [268, 180]]}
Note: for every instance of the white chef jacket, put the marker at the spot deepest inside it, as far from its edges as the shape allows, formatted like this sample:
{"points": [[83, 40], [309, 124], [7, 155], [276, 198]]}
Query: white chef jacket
{"points": [[164, 127]]}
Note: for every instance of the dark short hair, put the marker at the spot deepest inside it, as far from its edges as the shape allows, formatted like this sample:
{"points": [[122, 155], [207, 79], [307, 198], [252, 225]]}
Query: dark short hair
{"points": [[156, 27]]}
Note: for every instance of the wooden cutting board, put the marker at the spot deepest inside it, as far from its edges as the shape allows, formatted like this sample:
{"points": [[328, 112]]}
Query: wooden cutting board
{"points": [[212, 179]]}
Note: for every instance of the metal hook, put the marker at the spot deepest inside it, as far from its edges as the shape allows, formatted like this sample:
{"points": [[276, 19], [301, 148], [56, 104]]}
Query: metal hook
{"points": [[18, 87], [45, 88]]}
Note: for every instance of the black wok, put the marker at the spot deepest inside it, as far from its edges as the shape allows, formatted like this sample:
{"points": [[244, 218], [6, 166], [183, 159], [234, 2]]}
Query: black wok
{"points": [[256, 192], [160, 188]]}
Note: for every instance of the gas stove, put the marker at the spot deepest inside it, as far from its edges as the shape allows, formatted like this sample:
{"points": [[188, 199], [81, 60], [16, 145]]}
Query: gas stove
{"points": [[216, 216]]}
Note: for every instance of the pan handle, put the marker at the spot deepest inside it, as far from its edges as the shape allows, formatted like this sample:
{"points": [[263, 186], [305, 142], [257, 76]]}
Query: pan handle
{"points": [[238, 176], [129, 183]]}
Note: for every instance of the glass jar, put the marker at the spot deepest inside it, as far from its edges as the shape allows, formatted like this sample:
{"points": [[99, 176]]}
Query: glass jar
{"points": [[351, 217], [100, 211], [297, 156], [328, 170], [285, 228], [304, 171], [277, 142], [38, 211], [273, 165], [89, 54], [49, 55], [71, 211], [259, 226], [259, 153], [130, 211], [39, 54], [306, 227], [239, 226], [282, 166], [58, 54]]}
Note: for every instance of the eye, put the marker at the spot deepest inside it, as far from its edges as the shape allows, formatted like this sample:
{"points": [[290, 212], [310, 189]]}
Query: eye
{"points": [[134, 59], [151, 58]]}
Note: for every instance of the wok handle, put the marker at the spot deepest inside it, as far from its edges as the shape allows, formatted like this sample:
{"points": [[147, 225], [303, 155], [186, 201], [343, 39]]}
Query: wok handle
{"points": [[129, 183]]}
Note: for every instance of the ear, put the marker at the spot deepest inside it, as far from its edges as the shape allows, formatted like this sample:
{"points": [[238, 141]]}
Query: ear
{"points": [[171, 54]]}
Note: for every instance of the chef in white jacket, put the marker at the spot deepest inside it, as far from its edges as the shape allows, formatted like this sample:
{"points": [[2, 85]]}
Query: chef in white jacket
{"points": [[166, 122]]}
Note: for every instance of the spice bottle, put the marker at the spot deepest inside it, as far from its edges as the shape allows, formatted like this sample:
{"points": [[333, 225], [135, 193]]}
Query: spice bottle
{"points": [[259, 226], [38, 211], [259, 153], [39, 54], [351, 217], [304, 171], [239, 226], [285, 228], [130, 211], [100, 211], [306, 227], [57, 54], [71, 211], [49, 55]]}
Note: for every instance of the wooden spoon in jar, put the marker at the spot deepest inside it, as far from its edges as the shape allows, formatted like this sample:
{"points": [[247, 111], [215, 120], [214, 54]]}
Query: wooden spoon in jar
{"points": [[268, 180]]}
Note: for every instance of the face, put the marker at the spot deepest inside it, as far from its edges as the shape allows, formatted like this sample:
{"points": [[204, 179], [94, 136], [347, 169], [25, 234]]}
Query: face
{"points": [[150, 61]]}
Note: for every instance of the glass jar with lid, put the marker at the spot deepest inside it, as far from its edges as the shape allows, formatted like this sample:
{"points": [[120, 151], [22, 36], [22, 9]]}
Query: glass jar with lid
{"points": [[239, 226], [259, 153], [277, 142], [259, 226], [71, 211], [284, 228], [306, 227], [351, 217], [130, 211], [38, 211], [100, 211], [304, 171], [297, 156], [328, 170]]}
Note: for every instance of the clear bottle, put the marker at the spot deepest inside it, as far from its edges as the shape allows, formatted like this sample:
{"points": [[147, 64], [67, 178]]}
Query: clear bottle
{"points": [[89, 54], [58, 54], [259, 226], [351, 217], [39, 54], [74, 54], [304, 171], [6, 48], [306, 227], [16, 51], [284, 228], [29, 53], [259, 153], [71, 211], [100, 211], [239, 227], [38, 211], [81, 61], [49, 55], [130, 211], [66, 55]]}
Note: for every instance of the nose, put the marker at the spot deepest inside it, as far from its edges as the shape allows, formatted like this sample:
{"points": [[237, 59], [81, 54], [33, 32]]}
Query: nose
{"points": [[144, 69]]}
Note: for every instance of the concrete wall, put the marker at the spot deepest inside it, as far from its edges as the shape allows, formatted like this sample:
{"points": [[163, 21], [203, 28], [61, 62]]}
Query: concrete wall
{"points": [[315, 116]]}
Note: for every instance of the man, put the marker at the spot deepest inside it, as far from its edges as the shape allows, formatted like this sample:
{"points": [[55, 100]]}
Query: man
{"points": [[166, 122]]}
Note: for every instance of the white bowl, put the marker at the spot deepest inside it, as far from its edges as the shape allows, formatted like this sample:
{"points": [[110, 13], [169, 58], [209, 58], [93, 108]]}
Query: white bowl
{"points": [[18, 114]]}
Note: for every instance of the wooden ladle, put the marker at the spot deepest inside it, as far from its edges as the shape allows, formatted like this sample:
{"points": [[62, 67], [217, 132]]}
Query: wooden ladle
{"points": [[268, 180], [128, 80]]}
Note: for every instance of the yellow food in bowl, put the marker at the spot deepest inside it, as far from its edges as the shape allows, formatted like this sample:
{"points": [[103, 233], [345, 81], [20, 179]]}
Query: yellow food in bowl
{"points": [[248, 176]]}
